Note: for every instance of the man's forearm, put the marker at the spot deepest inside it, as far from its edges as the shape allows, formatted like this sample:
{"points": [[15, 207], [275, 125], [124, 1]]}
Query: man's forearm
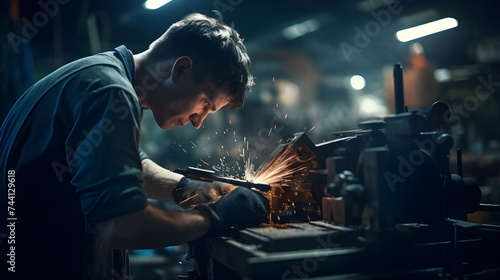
{"points": [[158, 181], [153, 228]]}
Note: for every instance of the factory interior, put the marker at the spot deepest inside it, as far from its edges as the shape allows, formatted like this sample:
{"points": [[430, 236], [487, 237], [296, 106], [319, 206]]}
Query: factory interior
{"points": [[378, 135]]}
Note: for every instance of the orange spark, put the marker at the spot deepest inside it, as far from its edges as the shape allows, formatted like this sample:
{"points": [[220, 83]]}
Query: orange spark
{"points": [[286, 167], [189, 198]]}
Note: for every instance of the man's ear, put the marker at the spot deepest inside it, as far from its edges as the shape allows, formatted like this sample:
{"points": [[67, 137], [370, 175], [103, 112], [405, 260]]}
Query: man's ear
{"points": [[182, 66]]}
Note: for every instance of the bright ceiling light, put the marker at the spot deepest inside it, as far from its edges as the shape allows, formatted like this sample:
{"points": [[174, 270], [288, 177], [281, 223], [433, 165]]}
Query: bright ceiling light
{"points": [[155, 4], [301, 29], [358, 82], [419, 31], [442, 75], [370, 106]]}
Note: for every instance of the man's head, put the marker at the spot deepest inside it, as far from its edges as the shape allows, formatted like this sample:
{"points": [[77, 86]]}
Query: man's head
{"points": [[200, 65]]}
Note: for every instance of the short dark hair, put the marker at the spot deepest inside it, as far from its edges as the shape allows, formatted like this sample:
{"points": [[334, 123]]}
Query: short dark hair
{"points": [[218, 53]]}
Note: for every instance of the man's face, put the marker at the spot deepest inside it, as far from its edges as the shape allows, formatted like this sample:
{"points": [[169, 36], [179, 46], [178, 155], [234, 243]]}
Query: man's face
{"points": [[187, 107], [179, 100]]}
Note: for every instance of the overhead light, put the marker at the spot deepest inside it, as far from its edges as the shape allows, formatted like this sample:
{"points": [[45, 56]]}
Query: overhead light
{"points": [[370, 106], [358, 82], [155, 4], [419, 31], [301, 29], [442, 75]]}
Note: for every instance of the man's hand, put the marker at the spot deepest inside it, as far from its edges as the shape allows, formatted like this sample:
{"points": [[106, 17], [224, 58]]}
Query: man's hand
{"points": [[242, 206], [153, 228], [189, 192]]}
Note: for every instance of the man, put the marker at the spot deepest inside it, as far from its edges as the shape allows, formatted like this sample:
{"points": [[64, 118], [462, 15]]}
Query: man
{"points": [[72, 171]]}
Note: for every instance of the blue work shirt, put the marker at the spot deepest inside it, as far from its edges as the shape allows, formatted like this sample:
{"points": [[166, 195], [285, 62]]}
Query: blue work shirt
{"points": [[71, 143]]}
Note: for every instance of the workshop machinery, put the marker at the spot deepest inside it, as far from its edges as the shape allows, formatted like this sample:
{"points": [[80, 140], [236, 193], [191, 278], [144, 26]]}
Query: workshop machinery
{"points": [[377, 202]]}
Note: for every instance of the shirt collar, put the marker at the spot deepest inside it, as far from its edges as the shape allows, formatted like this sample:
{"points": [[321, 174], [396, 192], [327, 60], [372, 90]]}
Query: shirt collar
{"points": [[126, 57]]}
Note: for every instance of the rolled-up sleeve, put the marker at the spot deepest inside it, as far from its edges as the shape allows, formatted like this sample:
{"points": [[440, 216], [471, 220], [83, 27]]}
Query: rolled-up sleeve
{"points": [[103, 155], [142, 154]]}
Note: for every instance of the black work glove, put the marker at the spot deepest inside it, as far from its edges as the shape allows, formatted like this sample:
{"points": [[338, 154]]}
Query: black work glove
{"points": [[242, 206], [189, 192]]}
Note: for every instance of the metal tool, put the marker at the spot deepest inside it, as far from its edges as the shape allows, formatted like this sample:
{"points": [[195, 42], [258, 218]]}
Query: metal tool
{"points": [[398, 89], [210, 176]]}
